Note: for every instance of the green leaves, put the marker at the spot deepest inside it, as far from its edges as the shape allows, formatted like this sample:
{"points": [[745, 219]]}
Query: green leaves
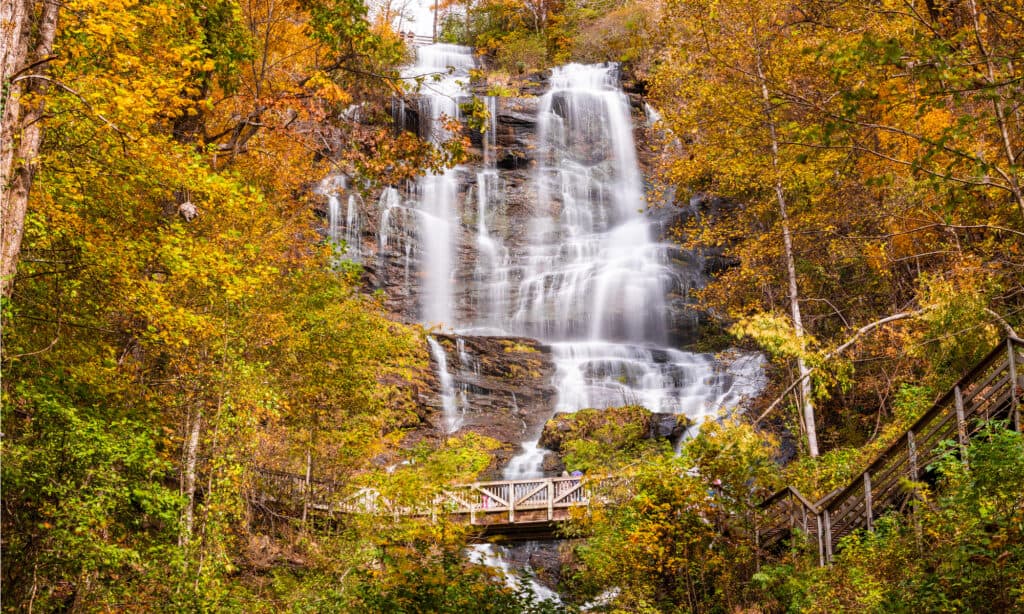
{"points": [[85, 491]]}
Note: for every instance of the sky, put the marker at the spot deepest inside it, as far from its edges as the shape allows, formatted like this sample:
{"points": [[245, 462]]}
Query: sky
{"points": [[423, 15]]}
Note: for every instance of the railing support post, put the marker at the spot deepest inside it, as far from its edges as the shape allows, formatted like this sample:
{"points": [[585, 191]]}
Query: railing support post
{"points": [[819, 520], [511, 503], [551, 500], [1014, 401], [912, 451], [867, 501], [961, 423], [828, 535]]}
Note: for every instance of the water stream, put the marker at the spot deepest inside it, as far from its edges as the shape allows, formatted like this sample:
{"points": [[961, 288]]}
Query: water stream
{"points": [[446, 75], [585, 271], [590, 278]]}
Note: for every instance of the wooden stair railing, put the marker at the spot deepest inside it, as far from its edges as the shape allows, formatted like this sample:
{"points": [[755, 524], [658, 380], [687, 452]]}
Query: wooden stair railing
{"points": [[992, 390]]}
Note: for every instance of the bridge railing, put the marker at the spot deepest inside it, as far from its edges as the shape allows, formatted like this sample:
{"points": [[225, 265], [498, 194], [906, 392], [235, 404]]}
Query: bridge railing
{"points": [[992, 390], [418, 40], [478, 501]]}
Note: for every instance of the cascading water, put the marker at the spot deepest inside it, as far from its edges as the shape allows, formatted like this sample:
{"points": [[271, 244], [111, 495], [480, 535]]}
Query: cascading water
{"points": [[496, 557], [585, 273], [335, 188], [446, 71], [453, 413], [594, 277], [353, 229], [332, 187]]}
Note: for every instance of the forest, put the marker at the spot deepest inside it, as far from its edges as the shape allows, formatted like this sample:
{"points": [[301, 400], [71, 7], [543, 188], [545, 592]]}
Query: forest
{"points": [[188, 306]]}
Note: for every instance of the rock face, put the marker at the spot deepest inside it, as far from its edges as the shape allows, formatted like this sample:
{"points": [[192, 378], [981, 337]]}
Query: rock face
{"points": [[504, 172], [613, 427], [502, 388]]}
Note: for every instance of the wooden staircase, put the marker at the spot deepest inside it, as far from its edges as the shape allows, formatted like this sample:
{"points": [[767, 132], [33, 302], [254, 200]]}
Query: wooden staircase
{"points": [[992, 390]]}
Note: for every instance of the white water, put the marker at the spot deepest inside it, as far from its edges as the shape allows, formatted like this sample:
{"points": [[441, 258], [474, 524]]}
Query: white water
{"points": [[591, 278], [447, 73], [595, 277], [495, 557], [349, 228], [333, 187], [454, 414]]}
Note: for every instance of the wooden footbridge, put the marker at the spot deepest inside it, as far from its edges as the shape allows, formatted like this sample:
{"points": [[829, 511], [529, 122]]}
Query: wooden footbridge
{"points": [[515, 509], [992, 390], [529, 509]]}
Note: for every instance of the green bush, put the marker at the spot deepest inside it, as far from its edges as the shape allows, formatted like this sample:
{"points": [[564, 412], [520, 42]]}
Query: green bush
{"points": [[521, 52]]}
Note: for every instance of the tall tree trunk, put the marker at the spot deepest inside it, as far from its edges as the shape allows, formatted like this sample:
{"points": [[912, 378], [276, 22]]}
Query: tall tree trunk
{"points": [[806, 405], [435, 21], [1000, 111], [188, 478], [26, 42]]}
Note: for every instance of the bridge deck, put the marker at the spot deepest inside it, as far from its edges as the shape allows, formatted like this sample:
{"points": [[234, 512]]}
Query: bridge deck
{"points": [[495, 506]]}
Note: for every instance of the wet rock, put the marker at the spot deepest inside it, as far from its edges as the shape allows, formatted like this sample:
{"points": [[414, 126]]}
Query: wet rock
{"points": [[503, 388], [541, 559], [668, 426], [609, 425]]}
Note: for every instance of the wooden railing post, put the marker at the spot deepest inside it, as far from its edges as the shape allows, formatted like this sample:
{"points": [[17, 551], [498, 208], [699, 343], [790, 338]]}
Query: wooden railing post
{"points": [[867, 501], [961, 422], [1014, 401], [511, 503], [551, 500], [912, 450], [828, 535], [819, 518]]}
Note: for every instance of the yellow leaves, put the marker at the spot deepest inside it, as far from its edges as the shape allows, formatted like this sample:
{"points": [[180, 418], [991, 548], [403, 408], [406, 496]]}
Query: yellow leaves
{"points": [[935, 122], [327, 89], [774, 333]]}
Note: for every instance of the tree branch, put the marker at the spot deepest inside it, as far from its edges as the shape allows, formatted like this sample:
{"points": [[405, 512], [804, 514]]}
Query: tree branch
{"points": [[839, 350]]}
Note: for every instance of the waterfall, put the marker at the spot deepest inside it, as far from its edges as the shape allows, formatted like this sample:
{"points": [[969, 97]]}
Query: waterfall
{"points": [[334, 188], [591, 259], [584, 271], [496, 557], [438, 192], [493, 258], [453, 414], [353, 229], [595, 277]]}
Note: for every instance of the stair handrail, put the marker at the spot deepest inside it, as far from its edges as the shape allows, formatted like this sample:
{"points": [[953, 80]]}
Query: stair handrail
{"points": [[838, 498]]}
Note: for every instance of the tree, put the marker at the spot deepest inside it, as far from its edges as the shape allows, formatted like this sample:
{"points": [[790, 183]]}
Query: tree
{"points": [[26, 43], [726, 62]]}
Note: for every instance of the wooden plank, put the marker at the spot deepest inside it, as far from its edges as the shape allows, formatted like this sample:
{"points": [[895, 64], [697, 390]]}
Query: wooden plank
{"points": [[972, 390]]}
